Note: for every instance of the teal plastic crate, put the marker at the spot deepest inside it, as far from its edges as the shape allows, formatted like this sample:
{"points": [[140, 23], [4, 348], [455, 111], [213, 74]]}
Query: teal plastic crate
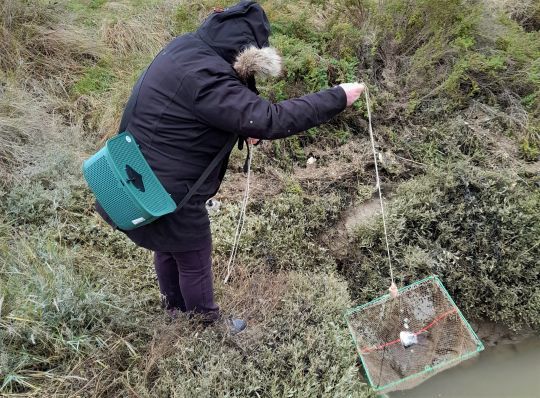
{"points": [[124, 184]]}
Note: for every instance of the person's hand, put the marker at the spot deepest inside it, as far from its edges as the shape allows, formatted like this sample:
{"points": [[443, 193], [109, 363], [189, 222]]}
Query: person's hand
{"points": [[252, 141], [353, 91]]}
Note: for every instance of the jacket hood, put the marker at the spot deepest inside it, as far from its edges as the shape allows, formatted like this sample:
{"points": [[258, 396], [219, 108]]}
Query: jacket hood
{"points": [[234, 29]]}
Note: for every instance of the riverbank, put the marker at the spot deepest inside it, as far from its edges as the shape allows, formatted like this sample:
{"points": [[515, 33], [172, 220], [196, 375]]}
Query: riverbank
{"points": [[456, 105]]}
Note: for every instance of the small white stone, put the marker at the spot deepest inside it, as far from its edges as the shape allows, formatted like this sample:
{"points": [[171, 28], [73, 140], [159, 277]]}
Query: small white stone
{"points": [[311, 160], [407, 338]]}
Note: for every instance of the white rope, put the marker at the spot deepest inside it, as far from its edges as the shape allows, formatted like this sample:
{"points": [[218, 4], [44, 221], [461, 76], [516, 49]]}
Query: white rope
{"points": [[379, 188], [241, 219]]}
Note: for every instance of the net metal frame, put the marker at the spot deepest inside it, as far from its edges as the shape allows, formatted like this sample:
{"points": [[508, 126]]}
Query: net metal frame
{"points": [[375, 338]]}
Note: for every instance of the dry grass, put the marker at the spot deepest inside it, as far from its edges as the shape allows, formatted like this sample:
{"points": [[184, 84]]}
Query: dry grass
{"points": [[126, 38], [36, 41], [526, 12], [29, 126]]}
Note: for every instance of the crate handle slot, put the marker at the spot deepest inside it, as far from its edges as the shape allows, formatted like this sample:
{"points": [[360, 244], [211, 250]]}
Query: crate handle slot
{"points": [[134, 178]]}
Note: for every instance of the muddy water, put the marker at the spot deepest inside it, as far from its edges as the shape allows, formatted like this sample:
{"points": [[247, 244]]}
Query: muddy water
{"points": [[506, 371]]}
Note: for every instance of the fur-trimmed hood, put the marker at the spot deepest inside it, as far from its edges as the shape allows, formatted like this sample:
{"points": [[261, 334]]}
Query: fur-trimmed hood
{"points": [[239, 34], [258, 62]]}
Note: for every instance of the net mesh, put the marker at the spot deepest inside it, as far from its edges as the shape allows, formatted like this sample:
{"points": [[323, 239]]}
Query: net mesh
{"points": [[404, 341]]}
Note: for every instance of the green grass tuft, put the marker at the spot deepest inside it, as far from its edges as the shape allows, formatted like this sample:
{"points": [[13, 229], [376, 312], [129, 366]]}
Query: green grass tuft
{"points": [[95, 80]]}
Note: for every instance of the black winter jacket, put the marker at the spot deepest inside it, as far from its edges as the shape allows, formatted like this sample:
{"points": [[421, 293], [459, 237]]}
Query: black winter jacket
{"points": [[190, 102]]}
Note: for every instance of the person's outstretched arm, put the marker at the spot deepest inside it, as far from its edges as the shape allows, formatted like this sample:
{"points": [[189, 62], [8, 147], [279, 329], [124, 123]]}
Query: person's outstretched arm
{"points": [[222, 101]]}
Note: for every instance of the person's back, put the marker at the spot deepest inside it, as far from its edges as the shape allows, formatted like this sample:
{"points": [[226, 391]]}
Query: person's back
{"points": [[177, 146]]}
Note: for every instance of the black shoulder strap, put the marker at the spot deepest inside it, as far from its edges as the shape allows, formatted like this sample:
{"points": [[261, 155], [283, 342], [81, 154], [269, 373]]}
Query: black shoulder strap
{"points": [[229, 145], [219, 157]]}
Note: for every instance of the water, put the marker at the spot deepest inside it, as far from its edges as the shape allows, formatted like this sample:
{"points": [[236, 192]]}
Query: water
{"points": [[505, 371]]}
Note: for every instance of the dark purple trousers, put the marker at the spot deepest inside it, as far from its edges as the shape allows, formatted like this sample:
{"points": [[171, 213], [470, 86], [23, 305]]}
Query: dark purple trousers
{"points": [[186, 281]]}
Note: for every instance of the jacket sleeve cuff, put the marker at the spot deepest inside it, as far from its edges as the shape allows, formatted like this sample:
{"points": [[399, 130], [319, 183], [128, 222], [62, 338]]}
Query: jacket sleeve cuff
{"points": [[340, 92]]}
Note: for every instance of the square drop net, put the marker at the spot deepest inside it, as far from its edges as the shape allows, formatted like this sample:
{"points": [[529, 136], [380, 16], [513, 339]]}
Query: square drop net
{"points": [[404, 341]]}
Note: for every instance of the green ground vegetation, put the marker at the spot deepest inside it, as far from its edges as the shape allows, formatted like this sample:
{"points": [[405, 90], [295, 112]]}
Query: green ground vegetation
{"points": [[455, 87]]}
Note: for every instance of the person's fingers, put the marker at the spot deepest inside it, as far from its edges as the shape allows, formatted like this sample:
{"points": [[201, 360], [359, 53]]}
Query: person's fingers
{"points": [[353, 91], [362, 87], [252, 141]]}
